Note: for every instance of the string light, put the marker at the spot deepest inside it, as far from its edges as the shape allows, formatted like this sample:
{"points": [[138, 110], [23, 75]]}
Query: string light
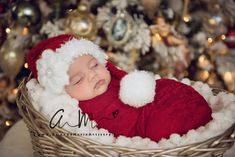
{"points": [[186, 18], [8, 123], [26, 65], [25, 31], [210, 40], [203, 75], [14, 91], [228, 76], [203, 61], [8, 30], [223, 37]]}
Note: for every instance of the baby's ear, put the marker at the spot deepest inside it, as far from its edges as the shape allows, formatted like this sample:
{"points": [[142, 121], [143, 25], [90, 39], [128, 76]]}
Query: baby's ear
{"points": [[137, 88], [115, 71]]}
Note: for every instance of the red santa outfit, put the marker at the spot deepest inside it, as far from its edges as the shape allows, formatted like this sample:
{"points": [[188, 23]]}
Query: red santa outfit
{"points": [[134, 104], [176, 108]]}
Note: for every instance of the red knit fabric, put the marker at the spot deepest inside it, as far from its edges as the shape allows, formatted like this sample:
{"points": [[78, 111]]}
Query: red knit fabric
{"points": [[50, 43], [177, 108]]}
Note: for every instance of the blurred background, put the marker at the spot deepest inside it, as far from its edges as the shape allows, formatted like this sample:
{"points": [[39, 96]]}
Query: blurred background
{"points": [[173, 38]]}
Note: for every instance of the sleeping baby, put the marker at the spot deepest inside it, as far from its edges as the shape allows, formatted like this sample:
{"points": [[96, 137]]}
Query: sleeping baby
{"points": [[129, 104]]}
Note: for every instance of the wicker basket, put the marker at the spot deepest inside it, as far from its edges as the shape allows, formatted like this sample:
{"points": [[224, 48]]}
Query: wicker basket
{"points": [[58, 142]]}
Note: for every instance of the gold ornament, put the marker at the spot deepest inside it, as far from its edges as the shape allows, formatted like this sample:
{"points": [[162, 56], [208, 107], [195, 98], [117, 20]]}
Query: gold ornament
{"points": [[81, 23], [11, 59]]}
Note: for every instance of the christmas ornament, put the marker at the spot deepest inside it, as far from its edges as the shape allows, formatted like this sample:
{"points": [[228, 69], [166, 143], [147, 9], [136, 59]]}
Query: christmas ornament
{"points": [[26, 13], [123, 31], [80, 22], [170, 47], [11, 59], [121, 28]]}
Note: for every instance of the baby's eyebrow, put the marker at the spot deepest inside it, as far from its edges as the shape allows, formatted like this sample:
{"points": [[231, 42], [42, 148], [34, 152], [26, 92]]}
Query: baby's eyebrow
{"points": [[91, 60]]}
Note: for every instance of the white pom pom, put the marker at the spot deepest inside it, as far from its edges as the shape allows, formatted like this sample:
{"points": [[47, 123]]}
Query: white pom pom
{"points": [[137, 88]]}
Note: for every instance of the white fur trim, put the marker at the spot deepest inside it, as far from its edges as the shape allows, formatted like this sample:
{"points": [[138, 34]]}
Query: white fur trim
{"points": [[137, 88], [52, 67]]}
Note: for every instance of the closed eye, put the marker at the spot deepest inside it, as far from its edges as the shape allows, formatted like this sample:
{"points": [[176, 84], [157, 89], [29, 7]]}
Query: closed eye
{"points": [[77, 82], [95, 65]]}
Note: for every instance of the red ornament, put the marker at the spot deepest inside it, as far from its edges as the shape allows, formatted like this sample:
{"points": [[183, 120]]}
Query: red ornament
{"points": [[230, 38]]}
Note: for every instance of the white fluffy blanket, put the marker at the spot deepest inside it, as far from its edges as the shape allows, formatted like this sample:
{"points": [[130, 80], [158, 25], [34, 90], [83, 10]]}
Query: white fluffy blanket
{"points": [[223, 107]]}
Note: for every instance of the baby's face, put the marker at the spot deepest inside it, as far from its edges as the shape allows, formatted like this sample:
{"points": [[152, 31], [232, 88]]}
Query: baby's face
{"points": [[87, 78]]}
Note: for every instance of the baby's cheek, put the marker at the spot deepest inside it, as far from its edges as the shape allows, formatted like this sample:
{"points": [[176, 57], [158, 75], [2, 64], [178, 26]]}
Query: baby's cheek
{"points": [[84, 92]]}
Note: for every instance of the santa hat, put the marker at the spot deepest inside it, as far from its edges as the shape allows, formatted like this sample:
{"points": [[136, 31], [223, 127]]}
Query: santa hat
{"points": [[50, 59]]}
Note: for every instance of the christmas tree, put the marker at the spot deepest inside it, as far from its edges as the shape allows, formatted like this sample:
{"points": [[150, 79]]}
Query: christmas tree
{"points": [[180, 38]]}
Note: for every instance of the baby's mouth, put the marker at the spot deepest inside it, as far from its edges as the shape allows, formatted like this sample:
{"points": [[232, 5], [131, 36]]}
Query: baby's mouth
{"points": [[99, 83]]}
